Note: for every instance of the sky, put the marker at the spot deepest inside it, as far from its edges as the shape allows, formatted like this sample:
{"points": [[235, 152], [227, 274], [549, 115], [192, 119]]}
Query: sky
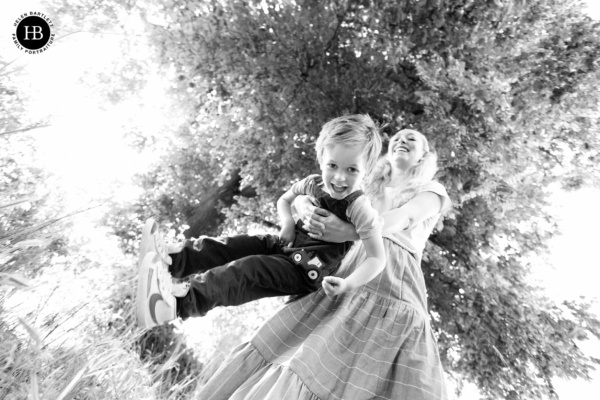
{"points": [[593, 7], [86, 152]]}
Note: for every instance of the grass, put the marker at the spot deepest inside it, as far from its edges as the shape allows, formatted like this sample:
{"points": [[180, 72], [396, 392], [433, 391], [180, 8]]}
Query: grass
{"points": [[80, 362], [68, 331]]}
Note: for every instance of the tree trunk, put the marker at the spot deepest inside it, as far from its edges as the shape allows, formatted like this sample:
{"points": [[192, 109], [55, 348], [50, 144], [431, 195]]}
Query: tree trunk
{"points": [[206, 218]]}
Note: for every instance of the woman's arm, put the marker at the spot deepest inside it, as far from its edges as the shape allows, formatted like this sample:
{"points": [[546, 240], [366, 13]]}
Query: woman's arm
{"points": [[321, 224], [424, 205]]}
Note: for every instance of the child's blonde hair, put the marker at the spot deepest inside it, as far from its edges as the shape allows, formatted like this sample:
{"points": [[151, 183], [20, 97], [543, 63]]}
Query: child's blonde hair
{"points": [[416, 176], [357, 130]]}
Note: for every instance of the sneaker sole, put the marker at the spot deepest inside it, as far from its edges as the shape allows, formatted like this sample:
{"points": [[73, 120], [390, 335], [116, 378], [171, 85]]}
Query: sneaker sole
{"points": [[143, 287], [152, 240], [149, 278]]}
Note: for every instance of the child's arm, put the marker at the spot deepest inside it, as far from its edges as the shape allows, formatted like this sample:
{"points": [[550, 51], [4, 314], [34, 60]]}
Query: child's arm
{"points": [[284, 209], [367, 270]]}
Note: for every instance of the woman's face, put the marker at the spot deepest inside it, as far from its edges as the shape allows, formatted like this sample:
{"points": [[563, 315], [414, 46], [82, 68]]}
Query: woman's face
{"points": [[406, 148]]}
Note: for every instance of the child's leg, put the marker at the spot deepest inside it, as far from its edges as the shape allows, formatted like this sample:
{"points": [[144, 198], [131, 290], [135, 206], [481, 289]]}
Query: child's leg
{"points": [[206, 253], [249, 278]]}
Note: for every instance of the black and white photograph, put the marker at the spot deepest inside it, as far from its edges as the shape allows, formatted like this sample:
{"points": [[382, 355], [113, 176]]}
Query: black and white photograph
{"points": [[300, 200]]}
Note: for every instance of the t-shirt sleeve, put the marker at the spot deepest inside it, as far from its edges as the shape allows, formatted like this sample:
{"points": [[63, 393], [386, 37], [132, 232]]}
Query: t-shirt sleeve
{"points": [[365, 218], [440, 190], [308, 185]]}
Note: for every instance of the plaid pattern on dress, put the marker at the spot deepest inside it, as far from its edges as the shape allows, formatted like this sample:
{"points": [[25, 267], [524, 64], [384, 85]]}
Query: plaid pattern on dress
{"points": [[372, 343]]}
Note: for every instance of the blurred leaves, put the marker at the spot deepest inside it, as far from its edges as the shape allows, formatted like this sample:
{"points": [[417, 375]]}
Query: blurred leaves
{"points": [[506, 91]]}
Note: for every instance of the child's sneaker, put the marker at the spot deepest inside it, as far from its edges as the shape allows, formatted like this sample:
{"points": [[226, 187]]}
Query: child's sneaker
{"points": [[152, 241], [155, 304]]}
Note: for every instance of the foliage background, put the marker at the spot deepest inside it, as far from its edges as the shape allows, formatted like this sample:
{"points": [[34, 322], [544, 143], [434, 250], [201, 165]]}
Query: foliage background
{"points": [[215, 107]]}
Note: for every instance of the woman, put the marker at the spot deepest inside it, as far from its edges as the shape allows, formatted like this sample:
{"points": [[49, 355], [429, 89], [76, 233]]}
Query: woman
{"points": [[372, 343]]}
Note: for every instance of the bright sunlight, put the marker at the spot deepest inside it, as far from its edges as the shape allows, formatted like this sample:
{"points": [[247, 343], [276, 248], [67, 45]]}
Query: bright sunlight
{"points": [[90, 159]]}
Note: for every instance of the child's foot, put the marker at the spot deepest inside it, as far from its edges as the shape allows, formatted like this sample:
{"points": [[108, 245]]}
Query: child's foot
{"points": [[155, 304], [152, 241]]}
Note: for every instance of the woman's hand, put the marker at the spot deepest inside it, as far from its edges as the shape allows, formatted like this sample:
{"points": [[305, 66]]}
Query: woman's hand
{"points": [[322, 224]]}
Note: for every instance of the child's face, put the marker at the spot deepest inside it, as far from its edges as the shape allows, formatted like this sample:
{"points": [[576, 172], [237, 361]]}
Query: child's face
{"points": [[343, 169]]}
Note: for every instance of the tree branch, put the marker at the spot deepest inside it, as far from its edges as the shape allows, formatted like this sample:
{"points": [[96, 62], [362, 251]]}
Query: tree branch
{"points": [[14, 203], [29, 128], [547, 152], [25, 232]]}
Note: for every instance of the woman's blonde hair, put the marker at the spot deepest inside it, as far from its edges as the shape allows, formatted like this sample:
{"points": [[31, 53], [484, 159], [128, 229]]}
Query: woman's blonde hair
{"points": [[416, 176], [357, 130]]}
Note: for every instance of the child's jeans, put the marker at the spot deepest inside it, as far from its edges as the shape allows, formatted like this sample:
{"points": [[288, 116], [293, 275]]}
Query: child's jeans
{"points": [[239, 269]]}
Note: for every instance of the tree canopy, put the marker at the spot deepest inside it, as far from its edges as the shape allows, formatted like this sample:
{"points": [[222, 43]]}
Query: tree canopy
{"points": [[506, 90]]}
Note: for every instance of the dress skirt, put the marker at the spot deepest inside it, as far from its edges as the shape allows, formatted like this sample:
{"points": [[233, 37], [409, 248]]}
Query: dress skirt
{"points": [[372, 343]]}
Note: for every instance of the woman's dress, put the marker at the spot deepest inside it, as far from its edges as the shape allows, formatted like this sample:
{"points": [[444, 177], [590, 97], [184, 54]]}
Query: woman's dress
{"points": [[372, 343]]}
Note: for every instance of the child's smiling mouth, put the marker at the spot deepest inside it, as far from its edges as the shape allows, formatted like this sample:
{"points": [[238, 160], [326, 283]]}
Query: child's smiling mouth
{"points": [[338, 189]]}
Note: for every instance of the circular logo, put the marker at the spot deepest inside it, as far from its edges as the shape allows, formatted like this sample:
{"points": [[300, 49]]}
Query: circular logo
{"points": [[33, 33]]}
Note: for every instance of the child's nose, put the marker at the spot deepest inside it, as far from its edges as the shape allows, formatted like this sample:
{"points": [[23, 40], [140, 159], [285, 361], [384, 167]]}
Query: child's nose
{"points": [[340, 176]]}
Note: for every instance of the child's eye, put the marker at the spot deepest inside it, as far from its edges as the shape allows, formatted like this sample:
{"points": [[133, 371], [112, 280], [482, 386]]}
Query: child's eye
{"points": [[332, 166], [353, 170]]}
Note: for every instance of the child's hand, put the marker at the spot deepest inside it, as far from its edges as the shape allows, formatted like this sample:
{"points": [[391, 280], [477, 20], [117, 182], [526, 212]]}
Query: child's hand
{"points": [[334, 286], [174, 247], [287, 235]]}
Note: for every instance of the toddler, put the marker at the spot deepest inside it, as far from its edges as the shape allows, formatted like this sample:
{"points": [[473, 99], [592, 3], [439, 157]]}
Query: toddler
{"points": [[235, 270]]}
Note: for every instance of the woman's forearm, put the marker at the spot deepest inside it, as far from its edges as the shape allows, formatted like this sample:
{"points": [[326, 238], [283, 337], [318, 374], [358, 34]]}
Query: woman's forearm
{"points": [[421, 207], [394, 221]]}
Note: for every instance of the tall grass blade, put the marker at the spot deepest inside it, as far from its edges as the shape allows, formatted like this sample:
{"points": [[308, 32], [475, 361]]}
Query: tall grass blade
{"points": [[72, 384], [34, 389], [32, 333], [14, 280]]}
